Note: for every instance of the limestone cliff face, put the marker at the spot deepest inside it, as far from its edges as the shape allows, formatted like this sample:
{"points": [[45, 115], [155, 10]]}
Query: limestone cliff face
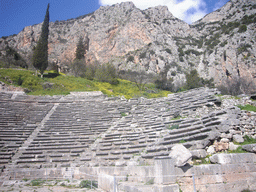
{"points": [[218, 45]]}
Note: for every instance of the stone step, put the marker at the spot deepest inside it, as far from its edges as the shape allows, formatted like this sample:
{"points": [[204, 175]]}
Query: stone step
{"points": [[196, 136], [31, 161], [56, 148]]}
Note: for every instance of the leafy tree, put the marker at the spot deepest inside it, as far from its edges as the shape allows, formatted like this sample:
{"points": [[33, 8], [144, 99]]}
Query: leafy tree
{"points": [[225, 55], [90, 71], [163, 82], [242, 28], [139, 77], [80, 49], [237, 85], [194, 81], [107, 73], [78, 68], [40, 56], [130, 59], [12, 57]]}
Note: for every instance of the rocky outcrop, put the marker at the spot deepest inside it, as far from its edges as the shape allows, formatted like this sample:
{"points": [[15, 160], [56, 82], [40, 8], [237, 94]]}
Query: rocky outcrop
{"points": [[219, 46]]}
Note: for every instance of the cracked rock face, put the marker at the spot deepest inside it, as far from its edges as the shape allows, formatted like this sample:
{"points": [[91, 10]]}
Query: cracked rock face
{"points": [[218, 46]]}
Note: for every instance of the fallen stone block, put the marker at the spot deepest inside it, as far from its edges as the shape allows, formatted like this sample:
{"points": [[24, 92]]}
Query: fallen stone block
{"points": [[233, 158], [198, 154], [211, 150], [250, 148], [232, 146], [238, 138], [121, 163], [181, 155]]}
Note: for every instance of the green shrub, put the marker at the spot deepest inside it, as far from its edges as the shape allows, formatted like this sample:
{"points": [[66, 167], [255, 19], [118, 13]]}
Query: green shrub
{"points": [[248, 140], [90, 72], [175, 126], [78, 68], [247, 107], [242, 28], [142, 55], [182, 141], [194, 81], [123, 114], [249, 19], [225, 55], [168, 50], [87, 184], [193, 52], [238, 150], [107, 73], [20, 81], [247, 190], [205, 160], [130, 59], [161, 57], [30, 82], [152, 52], [37, 182], [173, 73], [224, 43], [150, 182], [165, 84], [243, 48], [181, 53]]}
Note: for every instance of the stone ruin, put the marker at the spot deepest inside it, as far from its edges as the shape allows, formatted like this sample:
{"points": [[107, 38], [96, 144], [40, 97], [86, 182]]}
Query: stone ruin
{"points": [[130, 145]]}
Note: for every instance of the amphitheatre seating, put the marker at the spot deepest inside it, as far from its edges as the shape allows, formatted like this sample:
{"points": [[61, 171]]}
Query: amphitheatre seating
{"points": [[84, 128], [17, 121], [69, 132], [5, 95], [146, 131]]}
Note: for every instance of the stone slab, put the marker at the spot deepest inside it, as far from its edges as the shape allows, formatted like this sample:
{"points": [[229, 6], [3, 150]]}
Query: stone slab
{"points": [[233, 158]]}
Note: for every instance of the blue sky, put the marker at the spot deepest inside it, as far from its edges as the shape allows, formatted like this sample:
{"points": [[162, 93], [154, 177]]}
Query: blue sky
{"points": [[16, 14]]}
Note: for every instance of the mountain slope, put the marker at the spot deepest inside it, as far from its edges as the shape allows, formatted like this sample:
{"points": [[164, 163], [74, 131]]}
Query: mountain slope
{"points": [[219, 46]]}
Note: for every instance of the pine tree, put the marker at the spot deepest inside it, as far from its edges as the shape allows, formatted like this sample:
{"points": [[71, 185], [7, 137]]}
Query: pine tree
{"points": [[80, 49], [40, 56]]}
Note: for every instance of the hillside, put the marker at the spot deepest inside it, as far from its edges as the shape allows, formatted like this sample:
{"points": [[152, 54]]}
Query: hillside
{"points": [[219, 46]]}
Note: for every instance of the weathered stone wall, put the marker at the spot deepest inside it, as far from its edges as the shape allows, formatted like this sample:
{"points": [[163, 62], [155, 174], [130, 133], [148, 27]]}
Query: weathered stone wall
{"points": [[231, 173]]}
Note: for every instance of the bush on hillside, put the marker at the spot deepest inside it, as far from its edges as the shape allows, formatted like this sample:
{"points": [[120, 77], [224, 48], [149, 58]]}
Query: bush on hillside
{"points": [[78, 68], [90, 71], [194, 81], [236, 86], [142, 55], [106, 73], [13, 58], [140, 78], [130, 59], [163, 82], [242, 28]]}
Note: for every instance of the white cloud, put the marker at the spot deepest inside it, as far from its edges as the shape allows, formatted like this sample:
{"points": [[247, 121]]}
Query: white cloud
{"points": [[187, 10]]}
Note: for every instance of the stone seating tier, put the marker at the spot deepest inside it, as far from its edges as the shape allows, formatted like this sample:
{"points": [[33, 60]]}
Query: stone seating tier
{"points": [[88, 128]]}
